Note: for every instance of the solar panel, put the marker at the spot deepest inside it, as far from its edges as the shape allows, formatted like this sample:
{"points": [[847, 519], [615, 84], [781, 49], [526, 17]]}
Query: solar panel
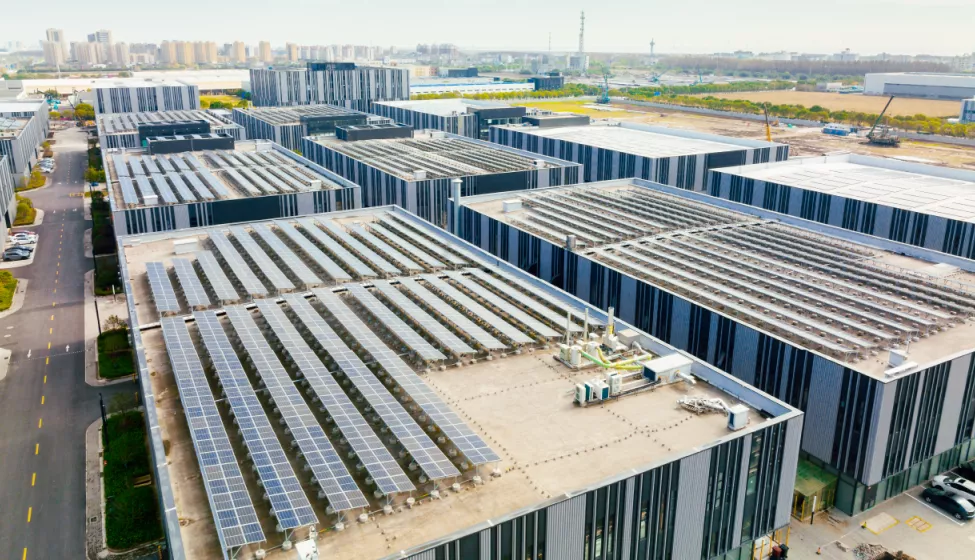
{"points": [[261, 260], [432, 326], [459, 319], [196, 296], [543, 295], [215, 275], [236, 263], [310, 249], [337, 249], [151, 168], [323, 460], [406, 246], [486, 316], [357, 246], [181, 189], [179, 163], [295, 263], [399, 328], [145, 188], [283, 490], [121, 168], [369, 450], [216, 185], [165, 192], [198, 186], [469, 443], [426, 454], [164, 164], [405, 262], [433, 248], [230, 503], [242, 182], [129, 195], [504, 306], [523, 299], [194, 163], [259, 181], [162, 289]]}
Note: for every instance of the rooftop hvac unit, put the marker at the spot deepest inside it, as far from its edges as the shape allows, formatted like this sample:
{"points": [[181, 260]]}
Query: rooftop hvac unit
{"points": [[183, 246], [419, 175], [151, 200], [737, 417], [511, 205]]}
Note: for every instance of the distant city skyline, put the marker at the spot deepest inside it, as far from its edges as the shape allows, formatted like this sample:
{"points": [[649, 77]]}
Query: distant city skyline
{"points": [[705, 26]]}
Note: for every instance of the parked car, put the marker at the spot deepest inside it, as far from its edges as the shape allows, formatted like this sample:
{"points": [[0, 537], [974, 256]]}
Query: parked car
{"points": [[23, 239], [958, 507], [15, 254], [22, 231], [955, 485]]}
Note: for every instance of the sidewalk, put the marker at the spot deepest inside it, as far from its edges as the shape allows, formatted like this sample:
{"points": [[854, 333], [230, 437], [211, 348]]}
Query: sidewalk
{"points": [[106, 308]]}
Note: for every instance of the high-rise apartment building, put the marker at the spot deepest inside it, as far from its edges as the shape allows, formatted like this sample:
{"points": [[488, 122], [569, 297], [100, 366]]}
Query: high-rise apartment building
{"points": [[167, 52], [264, 52], [184, 53], [52, 53], [294, 52], [102, 39], [58, 37], [85, 54], [120, 54], [238, 52]]}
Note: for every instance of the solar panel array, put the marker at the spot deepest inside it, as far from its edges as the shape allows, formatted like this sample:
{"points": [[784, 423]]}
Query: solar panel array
{"points": [[252, 285], [288, 501], [397, 224], [325, 463], [215, 275], [406, 263], [369, 450], [512, 333], [402, 331], [321, 259], [163, 294], [540, 294], [406, 246], [233, 510], [426, 454], [429, 324], [263, 262], [454, 316], [469, 443], [292, 261], [523, 298], [504, 305], [359, 247], [360, 268], [196, 296]]}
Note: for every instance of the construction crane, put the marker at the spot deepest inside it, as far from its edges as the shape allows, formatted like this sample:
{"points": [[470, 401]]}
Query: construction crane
{"points": [[604, 96], [884, 135], [768, 127]]}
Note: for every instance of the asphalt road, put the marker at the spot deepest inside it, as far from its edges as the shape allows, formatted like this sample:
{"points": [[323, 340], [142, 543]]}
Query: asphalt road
{"points": [[45, 404]]}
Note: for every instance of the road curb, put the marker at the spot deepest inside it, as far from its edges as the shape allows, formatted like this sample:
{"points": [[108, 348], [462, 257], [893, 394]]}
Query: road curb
{"points": [[89, 251], [38, 220], [19, 296], [91, 340]]}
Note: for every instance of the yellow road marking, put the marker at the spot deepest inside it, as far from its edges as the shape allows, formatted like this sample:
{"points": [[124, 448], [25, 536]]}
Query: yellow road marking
{"points": [[47, 360], [42, 399], [48, 346], [33, 479], [52, 316], [40, 422], [29, 511], [53, 303], [37, 448], [25, 555], [50, 330], [45, 380]]}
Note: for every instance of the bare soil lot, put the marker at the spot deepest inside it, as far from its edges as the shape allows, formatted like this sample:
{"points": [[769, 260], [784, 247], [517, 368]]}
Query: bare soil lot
{"points": [[851, 102]]}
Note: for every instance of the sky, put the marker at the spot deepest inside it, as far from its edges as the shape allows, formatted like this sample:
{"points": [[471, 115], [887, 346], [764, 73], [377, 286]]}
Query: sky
{"points": [[942, 27]]}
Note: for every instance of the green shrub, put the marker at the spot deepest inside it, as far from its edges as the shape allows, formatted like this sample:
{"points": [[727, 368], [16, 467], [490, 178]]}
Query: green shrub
{"points": [[8, 286], [115, 356], [131, 514], [107, 276], [26, 214]]}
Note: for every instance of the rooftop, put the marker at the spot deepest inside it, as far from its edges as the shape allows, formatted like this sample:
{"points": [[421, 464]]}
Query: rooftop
{"points": [[949, 193], [311, 349], [848, 301], [136, 83], [11, 127], [127, 123], [444, 107], [253, 168], [294, 115], [437, 154], [651, 142]]}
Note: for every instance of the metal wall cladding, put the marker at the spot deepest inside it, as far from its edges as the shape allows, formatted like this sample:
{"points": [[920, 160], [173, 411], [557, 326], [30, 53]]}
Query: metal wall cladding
{"points": [[692, 496], [564, 529], [790, 463]]}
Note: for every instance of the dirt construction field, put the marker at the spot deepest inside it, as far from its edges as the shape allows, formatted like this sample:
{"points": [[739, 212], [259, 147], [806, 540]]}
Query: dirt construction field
{"points": [[852, 102]]}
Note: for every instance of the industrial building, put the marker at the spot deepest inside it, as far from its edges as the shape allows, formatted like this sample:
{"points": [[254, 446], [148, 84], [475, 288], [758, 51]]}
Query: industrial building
{"points": [[550, 81], [288, 125], [875, 346], [330, 83], [467, 86], [967, 111], [611, 150], [130, 130], [8, 206], [920, 84], [255, 180], [391, 392], [464, 117], [418, 173], [919, 205], [23, 128], [144, 96]]}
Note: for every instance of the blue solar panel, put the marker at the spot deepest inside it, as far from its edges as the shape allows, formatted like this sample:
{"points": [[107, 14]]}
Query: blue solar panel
{"points": [[357, 246], [432, 326], [405, 245], [324, 462], [401, 226], [196, 296], [503, 305], [230, 503], [396, 325], [499, 324], [261, 259], [343, 254], [426, 454], [312, 250], [469, 443], [288, 500], [369, 450], [163, 294], [458, 319], [236, 263], [404, 262], [512, 291]]}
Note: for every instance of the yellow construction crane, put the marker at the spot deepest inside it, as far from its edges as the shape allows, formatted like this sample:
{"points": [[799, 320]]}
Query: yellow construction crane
{"points": [[768, 127]]}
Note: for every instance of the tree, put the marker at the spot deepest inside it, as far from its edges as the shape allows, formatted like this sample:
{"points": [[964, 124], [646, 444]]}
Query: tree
{"points": [[243, 104], [84, 112], [93, 175], [54, 115]]}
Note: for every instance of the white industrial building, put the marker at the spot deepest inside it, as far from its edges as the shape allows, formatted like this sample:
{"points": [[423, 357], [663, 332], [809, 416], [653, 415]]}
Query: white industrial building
{"points": [[917, 84]]}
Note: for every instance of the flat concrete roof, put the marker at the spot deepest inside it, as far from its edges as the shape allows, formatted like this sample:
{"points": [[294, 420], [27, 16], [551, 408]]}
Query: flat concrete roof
{"points": [[516, 399], [846, 300], [645, 143], [444, 107], [11, 127], [918, 188], [437, 154], [251, 169]]}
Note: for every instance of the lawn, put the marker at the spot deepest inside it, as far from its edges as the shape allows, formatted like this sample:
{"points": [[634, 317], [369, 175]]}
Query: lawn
{"points": [[850, 102], [131, 512], [115, 358], [575, 107], [226, 100], [8, 286]]}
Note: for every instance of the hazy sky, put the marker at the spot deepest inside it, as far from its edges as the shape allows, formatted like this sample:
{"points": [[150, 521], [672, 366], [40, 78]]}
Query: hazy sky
{"points": [[825, 26]]}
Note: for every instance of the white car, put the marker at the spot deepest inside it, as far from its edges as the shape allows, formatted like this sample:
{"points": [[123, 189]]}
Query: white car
{"points": [[955, 485], [23, 239]]}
